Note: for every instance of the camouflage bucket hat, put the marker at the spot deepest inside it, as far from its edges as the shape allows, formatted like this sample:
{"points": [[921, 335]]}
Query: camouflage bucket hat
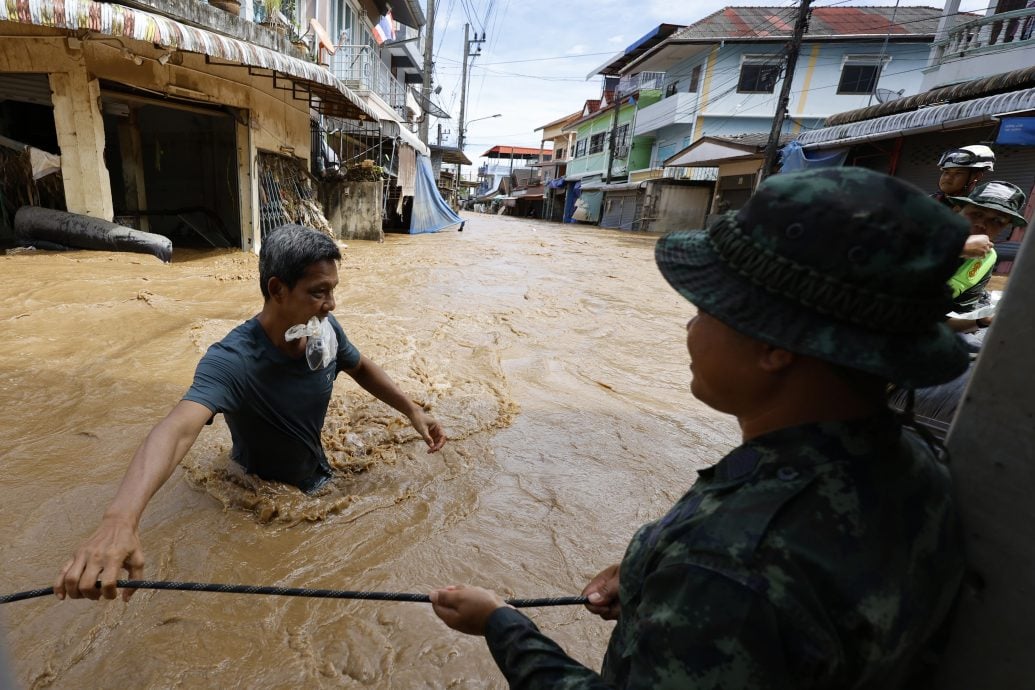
{"points": [[1004, 197], [842, 264]]}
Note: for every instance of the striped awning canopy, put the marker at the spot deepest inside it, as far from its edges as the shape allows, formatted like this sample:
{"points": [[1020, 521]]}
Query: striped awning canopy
{"points": [[308, 81]]}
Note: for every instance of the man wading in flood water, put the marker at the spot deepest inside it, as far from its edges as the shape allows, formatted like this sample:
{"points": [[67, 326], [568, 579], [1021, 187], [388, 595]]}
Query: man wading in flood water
{"points": [[271, 378], [823, 552]]}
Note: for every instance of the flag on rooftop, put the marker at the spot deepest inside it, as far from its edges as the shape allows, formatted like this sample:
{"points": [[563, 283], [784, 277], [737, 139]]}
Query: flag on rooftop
{"points": [[385, 29]]}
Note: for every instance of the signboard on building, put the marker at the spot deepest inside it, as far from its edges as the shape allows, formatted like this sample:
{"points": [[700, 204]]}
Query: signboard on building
{"points": [[1016, 131]]}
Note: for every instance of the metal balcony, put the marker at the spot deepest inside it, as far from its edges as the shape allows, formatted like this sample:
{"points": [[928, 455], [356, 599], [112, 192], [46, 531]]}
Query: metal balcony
{"points": [[632, 83], [362, 70]]}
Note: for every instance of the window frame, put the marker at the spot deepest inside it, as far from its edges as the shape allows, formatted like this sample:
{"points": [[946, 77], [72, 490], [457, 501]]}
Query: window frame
{"points": [[695, 79], [875, 61], [596, 143], [580, 147], [773, 61], [622, 136]]}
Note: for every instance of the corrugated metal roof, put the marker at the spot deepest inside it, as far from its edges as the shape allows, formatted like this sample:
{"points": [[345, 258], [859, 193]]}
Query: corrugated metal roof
{"points": [[778, 22], [709, 151], [637, 48], [126, 22], [987, 86], [503, 151], [939, 116]]}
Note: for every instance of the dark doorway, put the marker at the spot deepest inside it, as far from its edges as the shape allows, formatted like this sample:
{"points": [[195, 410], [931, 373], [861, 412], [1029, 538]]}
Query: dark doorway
{"points": [[174, 171]]}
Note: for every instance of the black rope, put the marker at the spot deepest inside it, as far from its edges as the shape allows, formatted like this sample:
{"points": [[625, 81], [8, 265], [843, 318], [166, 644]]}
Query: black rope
{"points": [[289, 592]]}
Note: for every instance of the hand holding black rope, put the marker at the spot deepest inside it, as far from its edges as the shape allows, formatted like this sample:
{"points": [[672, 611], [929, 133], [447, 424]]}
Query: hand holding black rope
{"points": [[289, 592]]}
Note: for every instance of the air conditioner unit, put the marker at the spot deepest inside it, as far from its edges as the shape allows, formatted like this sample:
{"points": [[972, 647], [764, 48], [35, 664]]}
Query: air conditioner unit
{"points": [[621, 151]]}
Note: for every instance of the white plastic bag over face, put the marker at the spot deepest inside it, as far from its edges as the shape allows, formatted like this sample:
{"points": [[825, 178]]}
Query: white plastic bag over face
{"points": [[322, 345]]}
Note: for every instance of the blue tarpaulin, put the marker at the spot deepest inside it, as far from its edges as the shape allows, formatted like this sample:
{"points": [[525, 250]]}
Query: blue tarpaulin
{"points": [[555, 183], [793, 158], [431, 213]]}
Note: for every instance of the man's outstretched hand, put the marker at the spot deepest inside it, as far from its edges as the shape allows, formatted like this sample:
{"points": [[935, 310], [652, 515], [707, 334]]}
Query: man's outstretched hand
{"points": [[114, 546], [429, 429]]}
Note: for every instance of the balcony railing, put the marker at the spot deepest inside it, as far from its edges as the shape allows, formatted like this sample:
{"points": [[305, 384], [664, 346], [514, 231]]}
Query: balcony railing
{"points": [[361, 70], [631, 83], [408, 33], [987, 34]]}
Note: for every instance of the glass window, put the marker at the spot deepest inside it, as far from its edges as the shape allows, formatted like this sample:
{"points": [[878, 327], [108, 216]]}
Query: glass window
{"points": [[858, 78], [671, 88], [758, 75], [580, 148], [622, 136], [596, 143], [695, 79]]}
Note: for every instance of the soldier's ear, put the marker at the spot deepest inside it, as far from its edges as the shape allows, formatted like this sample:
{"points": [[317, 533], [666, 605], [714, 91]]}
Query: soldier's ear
{"points": [[772, 359]]}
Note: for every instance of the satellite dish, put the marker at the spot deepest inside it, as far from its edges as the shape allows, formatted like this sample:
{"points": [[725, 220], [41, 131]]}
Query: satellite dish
{"points": [[884, 95]]}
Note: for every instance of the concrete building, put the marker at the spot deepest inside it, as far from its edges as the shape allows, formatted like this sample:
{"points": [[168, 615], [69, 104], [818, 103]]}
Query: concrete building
{"points": [[966, 105], [721, 75], [558, 138], [180, 118]]}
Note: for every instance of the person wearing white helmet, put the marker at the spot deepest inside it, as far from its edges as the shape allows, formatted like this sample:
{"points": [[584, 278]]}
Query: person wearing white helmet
{"points": [[961, 170]]}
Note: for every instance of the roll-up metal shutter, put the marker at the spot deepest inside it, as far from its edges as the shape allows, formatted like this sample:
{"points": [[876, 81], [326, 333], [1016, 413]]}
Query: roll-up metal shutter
{"points": [[25, 88], [629, 215], [1014, 164], [918, 162]]}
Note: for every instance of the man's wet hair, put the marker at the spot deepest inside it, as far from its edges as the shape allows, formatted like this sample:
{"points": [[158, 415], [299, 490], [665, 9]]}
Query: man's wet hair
{"points": [[289, 250]]}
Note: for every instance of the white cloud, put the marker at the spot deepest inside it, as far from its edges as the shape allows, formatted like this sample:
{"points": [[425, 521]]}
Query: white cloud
{"points": [[577, 49], [616, 39]]}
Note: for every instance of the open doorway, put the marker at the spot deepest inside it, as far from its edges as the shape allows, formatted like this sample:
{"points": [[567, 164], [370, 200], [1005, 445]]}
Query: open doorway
{"points": [[173, 169]]}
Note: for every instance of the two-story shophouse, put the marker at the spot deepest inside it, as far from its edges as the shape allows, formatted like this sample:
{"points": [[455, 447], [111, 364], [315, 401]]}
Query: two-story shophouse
{"points": [[180, 118], [721, 76], [979, 88], [560, 141], [386, 75]]}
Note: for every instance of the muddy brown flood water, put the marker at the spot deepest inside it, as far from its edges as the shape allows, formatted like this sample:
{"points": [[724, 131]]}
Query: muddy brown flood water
{"points": [[554, 355]]}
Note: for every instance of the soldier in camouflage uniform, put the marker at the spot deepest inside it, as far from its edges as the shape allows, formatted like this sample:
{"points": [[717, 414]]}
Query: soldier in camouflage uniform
{"points": [[823, 552]]}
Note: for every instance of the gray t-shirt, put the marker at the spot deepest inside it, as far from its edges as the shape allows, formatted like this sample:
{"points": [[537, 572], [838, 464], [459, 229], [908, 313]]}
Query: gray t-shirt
{"points": [[274, 405]]}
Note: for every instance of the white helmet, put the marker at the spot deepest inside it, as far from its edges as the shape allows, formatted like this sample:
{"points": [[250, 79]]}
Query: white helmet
{"points": [[976, 156]]}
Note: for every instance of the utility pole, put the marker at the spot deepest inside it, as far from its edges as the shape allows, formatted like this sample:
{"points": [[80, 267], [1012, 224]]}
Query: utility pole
{"points": [[793, 48], [429, 66], [613, 137], [460, 138]]}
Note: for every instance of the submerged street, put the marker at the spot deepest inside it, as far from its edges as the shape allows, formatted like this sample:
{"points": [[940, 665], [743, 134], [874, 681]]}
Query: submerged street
{"points": [[553, 354]]}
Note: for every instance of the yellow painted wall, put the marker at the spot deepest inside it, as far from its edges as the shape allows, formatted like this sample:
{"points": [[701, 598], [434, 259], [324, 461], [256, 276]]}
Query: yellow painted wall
{"points": [[740, 168]]}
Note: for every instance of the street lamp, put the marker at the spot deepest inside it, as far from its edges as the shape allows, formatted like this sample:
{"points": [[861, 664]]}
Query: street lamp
{"points": [[463, 128]]}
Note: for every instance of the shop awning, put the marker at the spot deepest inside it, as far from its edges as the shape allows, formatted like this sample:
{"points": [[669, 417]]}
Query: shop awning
{"points": [[451, 154], [708, 152], [929, 119], [306, 80], [391, 128]]}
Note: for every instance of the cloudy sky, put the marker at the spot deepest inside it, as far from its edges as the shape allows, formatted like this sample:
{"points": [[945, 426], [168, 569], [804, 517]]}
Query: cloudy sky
{"points": [[536, 56]]}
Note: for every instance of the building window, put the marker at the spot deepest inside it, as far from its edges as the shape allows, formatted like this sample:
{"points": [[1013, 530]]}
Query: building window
{"points": [[622, 136], [671, 88], [596, 143], [560, 155], [759, 74], [580, 148], [859, 75], [695, 79]]}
